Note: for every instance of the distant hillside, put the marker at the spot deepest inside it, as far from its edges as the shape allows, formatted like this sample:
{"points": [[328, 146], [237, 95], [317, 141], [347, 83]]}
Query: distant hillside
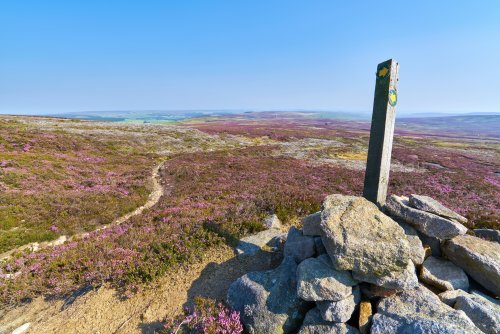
{"points": [[487, 126]]}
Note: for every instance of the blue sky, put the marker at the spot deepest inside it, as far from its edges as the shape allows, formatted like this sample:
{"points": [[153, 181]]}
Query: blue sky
{"points": [[63, 56]]}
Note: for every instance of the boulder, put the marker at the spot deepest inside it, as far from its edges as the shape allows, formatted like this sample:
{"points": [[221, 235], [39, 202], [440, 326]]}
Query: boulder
{"points": [[365, 316], [425, 222], [340, 311], [311, 224], [314, 324], [406, 279], [268, 300], [478, 258], [429, 204], [268, 240], [488, 234], [299, 246], [419, 311], [318, 280], [443, 275], [359, 237], [272, 221], [417, 251], [484, 314], [485, 296]]}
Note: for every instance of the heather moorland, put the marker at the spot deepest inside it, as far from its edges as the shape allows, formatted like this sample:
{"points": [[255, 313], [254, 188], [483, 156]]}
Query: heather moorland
{"points": [[221, 177]]}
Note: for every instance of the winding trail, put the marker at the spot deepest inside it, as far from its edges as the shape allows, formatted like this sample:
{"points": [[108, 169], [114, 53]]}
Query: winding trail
{"points": [[153, 198]]}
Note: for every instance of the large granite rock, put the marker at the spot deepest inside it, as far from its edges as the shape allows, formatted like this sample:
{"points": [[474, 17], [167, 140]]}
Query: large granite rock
{"points": [[311, 224], [488, 234], [429, 204], [298, 245], [406, 279], [340, 311], [359, 237], [417, 251], [315, 324], [443, 274], [268, 240], [268, 300], [272, 221], [427, 223], [419, 311], [483, 313], [478, 258], [318, 280]]}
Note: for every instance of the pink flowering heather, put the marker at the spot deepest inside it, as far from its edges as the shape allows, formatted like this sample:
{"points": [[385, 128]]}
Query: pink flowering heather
{"points": [[26, 147], [70, 181], [207, 317]]}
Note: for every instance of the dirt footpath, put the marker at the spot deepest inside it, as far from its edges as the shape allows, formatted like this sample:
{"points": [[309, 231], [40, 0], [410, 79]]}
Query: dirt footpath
{"points": [[101, 311]]}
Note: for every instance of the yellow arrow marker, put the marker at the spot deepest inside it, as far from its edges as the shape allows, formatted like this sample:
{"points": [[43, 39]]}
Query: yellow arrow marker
{"points": [[383, 71]]}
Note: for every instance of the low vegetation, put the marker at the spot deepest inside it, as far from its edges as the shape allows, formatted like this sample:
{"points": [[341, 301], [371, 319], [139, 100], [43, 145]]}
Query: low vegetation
{"points": [[219, 186]]}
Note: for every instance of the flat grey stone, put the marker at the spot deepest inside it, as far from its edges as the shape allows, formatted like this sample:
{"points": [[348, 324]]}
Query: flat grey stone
{"points": [[299, 246], [318, 280], [488, 234], [406, 279], [272, 221], [425, 222], [311, 224], [443, 275], [268, 240], [417, 252], [340, 311], [484, 314], [359, 237], [482, 295], [429, 204], [478, 258], [268, 300], [419, 311], [314, 324]]}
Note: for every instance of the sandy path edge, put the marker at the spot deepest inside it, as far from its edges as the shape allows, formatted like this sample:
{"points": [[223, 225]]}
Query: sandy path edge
{"points": [[102, 311]]}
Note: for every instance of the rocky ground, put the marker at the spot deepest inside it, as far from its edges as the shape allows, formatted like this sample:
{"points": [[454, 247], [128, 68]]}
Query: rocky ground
{"points": [[354, 269]]}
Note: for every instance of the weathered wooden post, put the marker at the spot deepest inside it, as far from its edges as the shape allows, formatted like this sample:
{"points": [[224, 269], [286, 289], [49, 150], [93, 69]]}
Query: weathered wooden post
{"points": [[381, 133]]}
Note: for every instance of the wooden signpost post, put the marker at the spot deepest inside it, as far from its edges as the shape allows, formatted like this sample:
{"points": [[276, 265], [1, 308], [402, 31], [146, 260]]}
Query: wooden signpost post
{"points": [[381, 133]]}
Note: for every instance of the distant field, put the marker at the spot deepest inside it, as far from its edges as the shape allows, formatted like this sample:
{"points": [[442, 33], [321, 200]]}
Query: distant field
{"points": [[223, 174]]}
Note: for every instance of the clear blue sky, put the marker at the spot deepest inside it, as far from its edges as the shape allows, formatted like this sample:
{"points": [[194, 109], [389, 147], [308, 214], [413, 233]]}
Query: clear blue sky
{"points": [[62, 56]]}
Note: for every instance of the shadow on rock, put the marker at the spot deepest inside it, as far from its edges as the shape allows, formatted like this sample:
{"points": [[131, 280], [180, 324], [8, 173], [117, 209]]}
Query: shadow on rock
{"points": [[216, 278]]}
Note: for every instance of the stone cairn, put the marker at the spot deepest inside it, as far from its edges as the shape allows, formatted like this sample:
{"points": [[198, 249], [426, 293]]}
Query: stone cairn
{"points": [[354, 269]]}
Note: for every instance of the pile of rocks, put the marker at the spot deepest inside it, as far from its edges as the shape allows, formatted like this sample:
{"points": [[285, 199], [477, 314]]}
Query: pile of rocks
{"points": [[354, 269]]}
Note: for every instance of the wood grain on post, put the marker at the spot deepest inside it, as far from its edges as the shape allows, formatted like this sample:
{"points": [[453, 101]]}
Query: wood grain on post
{"points": [[381, 133]]}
